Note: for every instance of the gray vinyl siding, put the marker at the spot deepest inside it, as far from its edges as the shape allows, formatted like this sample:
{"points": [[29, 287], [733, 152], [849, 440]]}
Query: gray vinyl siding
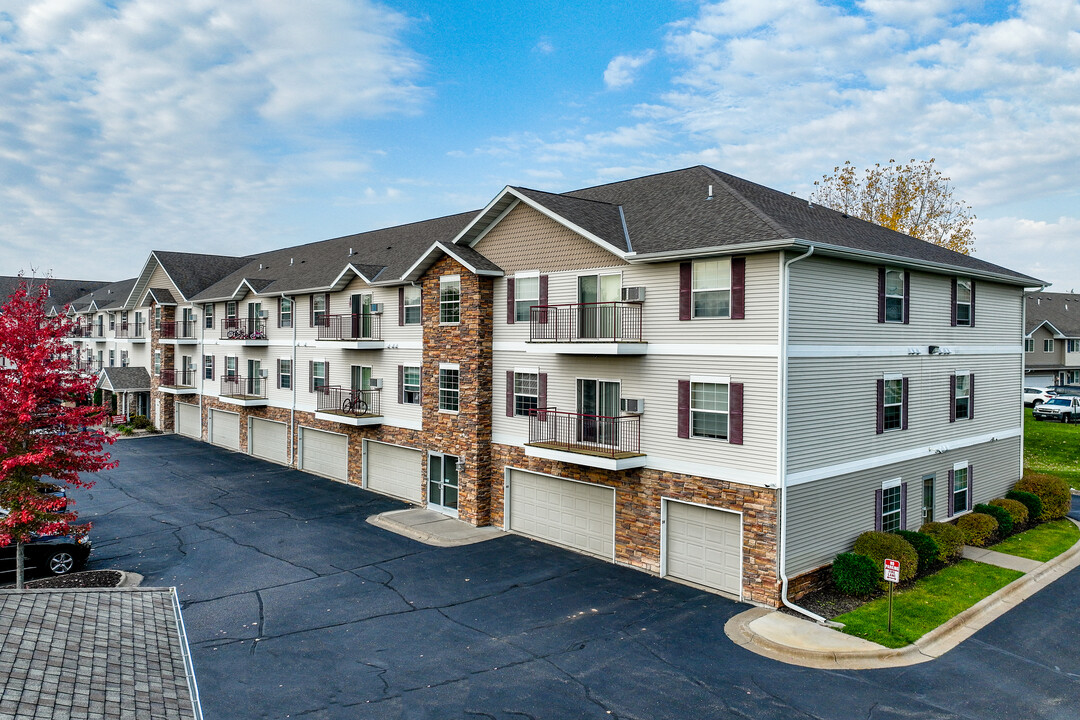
{"points": [[836, 301], [1039, 358], [825, 517], [832, 404]]}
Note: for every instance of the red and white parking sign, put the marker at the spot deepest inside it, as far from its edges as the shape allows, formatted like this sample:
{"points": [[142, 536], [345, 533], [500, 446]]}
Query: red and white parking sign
{"points": [[892, 571]]}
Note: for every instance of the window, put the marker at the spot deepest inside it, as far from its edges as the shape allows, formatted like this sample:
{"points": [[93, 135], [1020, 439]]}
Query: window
{"points": [[157, 362], [709, 410], [285, 314], [318, 375], [208, 315], [284, 369], [894, 296], [960, 489], [963, 302], [157, 317], [1072, 376], [526, 294], [1029, 345], [112, 358], [410, 385], [411, 301], [962, 397], [230, 367], [892, 416], [449, 299], [891, 500], [711, 288], [124, 358], [208, 366], [318, 310], [112, 321], [448, 388], [526, 392], [1072, 346], [1048, 345]]}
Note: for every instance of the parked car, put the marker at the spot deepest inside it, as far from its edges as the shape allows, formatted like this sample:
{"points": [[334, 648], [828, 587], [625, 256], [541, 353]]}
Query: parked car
{"points": [[1064, 408], [1034, 397], [1073, 390], [55, 554]]}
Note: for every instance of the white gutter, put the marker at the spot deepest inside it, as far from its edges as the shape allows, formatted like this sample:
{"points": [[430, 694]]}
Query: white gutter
{"points": [[781, 469]]}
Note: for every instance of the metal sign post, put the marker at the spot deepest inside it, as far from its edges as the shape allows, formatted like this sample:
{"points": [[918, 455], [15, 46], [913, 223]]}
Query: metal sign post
{"points": [[892, 576]]}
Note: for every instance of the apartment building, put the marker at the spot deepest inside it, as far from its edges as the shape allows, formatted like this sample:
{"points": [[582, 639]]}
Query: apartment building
{"points": [[686, 373], [1052, 339]]}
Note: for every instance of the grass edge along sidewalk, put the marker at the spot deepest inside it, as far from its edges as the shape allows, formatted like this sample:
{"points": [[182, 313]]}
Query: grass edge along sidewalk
{"points": [[1050, 448]]}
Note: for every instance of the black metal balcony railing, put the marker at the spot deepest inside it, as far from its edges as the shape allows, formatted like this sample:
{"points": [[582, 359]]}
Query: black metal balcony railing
{"points": [[235, 386], [87, 366], [586, 322], [356, 326], [243, 329], [177, 378], [78, 331], [130, 330], [178, 330], [614, 437], [345, 401]]}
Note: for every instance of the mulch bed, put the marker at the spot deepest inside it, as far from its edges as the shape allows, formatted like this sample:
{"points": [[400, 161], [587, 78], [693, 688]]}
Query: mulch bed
{"points": [[827, 603], [88, 579]]}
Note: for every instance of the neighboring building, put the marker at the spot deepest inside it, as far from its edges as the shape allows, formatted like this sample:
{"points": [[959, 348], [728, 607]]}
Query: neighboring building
{"points": [[61, 292], [1052, 339], [686, 373]]}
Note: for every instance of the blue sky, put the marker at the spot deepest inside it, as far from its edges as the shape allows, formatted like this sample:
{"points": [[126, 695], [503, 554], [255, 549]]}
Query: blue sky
{"points": [[233, 127]]}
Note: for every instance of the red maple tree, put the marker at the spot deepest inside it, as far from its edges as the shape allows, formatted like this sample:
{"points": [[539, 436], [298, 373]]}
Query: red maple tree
{"points": [[45, 421]]}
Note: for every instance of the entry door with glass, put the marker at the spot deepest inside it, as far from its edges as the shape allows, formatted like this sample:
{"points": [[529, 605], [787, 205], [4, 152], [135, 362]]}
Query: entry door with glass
{"points": [[254, 382], [361, 315], [595, 319], [598, 408], [255, 319], [443, 482], [928, 499]]}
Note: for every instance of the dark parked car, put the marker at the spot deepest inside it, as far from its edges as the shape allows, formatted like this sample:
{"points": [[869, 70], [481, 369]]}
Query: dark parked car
{"points": [[55, 554], [1070, 390]]}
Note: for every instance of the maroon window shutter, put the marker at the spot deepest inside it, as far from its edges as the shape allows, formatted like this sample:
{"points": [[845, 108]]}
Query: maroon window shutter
{"points": [[212, 367], [401, 382], [738, 288], [971, 396], [401, 306], [971, 488], [543, 299], [684, 408], [880, 406], [311, 375], [509, 393], [877, 509], [952, 308], [311, 311], [904, 409], [971, 313], [952, 398], [510, 313], [952, 489], [907, 297], [881, 295], [735, 413], [326, 372], [277, 373], [685, 278], [541, 390], [903, 506]]}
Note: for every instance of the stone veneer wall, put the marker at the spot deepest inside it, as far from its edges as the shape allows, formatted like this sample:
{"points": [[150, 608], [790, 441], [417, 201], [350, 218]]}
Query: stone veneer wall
{"points": [[637, 513], [166, 422], [808, 582]]}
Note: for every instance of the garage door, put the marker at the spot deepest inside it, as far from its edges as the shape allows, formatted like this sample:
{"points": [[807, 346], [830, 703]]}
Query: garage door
{"points": [[577, 515], [188, 420], [269, 440], [394, 470], [704, 546], [324, 453], [225, 429]]}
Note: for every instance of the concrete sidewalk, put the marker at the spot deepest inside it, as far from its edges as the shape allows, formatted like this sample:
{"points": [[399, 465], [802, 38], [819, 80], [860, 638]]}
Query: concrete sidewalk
{"points": [[433, 528], [799, 641]]}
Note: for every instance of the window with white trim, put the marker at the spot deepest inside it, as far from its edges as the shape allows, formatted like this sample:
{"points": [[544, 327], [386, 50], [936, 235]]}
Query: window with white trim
{"points": [[893, 407], [411, 297], [208, 366], [962, 398], [711, 288], [709, 410], [285, 314], [318, 309], [157, 317], [963, 302], [157, 363], [230, 366], [112, 358], [448, 388], [284, 368], [124, 358], [526, 294], [449, 299], [1072, 346], [1048, 345], [318, 375], [410, 385], [1029, 345], [208, 315], [526, 392], [960, 489], [894, 296], [890, 506]]}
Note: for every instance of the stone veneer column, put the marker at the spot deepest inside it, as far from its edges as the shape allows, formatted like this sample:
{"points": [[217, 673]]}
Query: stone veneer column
{"points": [[165, 423]]}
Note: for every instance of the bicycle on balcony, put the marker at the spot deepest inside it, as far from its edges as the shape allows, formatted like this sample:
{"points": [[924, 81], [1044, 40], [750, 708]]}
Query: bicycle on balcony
{"points": [[354, 404]]}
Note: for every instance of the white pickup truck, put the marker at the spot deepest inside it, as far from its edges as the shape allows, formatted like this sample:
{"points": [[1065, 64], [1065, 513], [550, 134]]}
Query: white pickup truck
{"points": [[1064, 408]]}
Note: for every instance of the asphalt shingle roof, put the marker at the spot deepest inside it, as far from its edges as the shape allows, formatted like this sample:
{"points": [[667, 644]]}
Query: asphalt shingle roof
{"points": [[108, 297], [192, 271], [1062, 310], [124, 379], [61, 292]]}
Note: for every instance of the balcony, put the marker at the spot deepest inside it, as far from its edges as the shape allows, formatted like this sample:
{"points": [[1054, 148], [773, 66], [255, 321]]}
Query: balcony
{"points": [[78, 331], [179, 332], [612, 443], [98, 333], [349, 407], [136, 332], [607, 328], [88, 367], [251, 332], [352, 332], [177, 382], [243, 391]]}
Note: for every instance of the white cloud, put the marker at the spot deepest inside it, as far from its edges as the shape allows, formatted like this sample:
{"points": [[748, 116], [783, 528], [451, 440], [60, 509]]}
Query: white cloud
{"points": [[544, 46], [1043, 250], [622, 70]]}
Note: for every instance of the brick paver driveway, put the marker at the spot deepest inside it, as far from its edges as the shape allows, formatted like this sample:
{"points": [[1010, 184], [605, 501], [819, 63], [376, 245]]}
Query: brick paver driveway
{"points": [[296, 607]]}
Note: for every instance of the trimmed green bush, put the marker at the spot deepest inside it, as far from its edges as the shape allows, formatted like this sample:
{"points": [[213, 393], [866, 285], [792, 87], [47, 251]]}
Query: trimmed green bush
{"points": [[1030, 500], [978, 528], [881, 545], [1016, 509], [854, 574], [1004, 519], [1053, 491], [948, 537], [925, 546], [125, 430], [140, 422]]}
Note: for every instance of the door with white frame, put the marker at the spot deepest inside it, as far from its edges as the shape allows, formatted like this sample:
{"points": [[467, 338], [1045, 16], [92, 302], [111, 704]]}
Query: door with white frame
{"points": [[598, 411], [443, 483], [254, 381], [361, 316], [598, 312]]}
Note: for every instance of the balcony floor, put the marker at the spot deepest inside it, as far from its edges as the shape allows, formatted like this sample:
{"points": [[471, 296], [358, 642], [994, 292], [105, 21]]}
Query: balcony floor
{"points": [[178, 390], [243, 400], [348, 418], [583, 456], [587, 347]]}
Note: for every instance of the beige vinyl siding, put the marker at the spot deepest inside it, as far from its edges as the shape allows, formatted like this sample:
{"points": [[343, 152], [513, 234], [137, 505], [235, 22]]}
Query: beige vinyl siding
{"points": [[159, 279], [836, 301], [526, 239], [825, 517], [832, 404], [1038, 357]]}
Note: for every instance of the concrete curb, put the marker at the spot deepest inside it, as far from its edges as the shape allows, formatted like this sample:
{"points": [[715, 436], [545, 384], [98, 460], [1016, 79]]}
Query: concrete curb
{"points": [[930, 646], [465, 535]]}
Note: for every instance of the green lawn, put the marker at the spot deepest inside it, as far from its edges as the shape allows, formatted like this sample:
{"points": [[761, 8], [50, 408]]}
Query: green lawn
{"points": [[1042, 542], [930, 602], [1052, 448]]}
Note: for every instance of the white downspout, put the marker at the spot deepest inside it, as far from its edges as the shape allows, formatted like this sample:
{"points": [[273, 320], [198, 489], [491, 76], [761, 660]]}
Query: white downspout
{"points": [[783, 450], [292, 381], [202, 369]]}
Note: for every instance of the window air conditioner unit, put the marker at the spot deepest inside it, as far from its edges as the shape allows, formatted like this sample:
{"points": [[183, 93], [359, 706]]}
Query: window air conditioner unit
{"points": [[633, 406], [264, 373], [263, 314], [375, 384], [633, 294], [376, 308]]}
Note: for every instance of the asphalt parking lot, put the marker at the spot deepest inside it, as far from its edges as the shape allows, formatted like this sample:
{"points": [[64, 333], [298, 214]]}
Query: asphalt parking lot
{"points": [[297, 607]]}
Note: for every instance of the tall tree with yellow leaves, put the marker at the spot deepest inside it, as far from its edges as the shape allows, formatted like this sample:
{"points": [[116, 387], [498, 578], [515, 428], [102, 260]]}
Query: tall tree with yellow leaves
{"points": [[915, 199]]}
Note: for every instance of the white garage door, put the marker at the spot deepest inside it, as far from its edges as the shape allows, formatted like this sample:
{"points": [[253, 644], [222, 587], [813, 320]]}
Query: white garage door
{"points": [[188, 420], [704, 546], [577, 515], [269, 440], [394, 470], [324, 453], [225, 429]]}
